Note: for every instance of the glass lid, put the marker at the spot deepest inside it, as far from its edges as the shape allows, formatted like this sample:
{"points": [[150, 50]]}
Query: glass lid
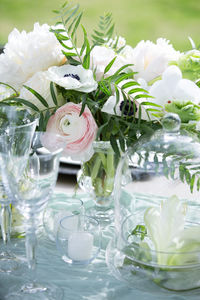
{"points": [[167, 146]]}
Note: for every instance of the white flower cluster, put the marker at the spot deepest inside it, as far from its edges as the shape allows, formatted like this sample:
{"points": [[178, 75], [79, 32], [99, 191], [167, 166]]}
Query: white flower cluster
{"points": [[34, 59]]}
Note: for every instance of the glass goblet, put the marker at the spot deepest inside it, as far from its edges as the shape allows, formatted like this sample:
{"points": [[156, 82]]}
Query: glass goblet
{"points": [[19, 125], [31, 192]]}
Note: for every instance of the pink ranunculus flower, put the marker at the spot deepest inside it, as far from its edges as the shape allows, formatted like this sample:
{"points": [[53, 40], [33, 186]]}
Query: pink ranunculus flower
{"points": [[80, 131]]}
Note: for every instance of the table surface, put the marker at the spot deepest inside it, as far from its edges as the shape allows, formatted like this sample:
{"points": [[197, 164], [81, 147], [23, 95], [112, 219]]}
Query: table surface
{"points": [[92, 282]]}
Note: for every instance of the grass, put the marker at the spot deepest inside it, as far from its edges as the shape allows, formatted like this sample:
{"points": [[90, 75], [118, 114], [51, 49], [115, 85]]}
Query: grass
{"points": [[135, 19]]}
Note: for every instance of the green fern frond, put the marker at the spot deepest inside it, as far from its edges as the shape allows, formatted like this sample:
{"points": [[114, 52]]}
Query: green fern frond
{"points": [[105, 30]]}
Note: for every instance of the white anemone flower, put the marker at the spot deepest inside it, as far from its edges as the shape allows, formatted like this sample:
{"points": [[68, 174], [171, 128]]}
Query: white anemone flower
{"points": [[173, 87], [150, 60], [112, 107], [73, 78], [27, 53], [41, 85]]}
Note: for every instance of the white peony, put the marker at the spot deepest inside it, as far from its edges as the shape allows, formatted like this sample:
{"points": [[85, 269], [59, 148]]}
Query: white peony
{"points": [[150, 60], [73, 78], [41, 85], [27, 53], [101, 56], [173, 87]]}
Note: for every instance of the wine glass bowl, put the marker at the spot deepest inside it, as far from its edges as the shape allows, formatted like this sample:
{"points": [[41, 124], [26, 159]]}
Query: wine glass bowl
{"points": [[13, 121]]}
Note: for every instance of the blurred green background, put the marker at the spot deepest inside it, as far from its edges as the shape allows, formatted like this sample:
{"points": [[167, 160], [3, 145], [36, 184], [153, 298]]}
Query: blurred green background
{"points": [[134, 19]]}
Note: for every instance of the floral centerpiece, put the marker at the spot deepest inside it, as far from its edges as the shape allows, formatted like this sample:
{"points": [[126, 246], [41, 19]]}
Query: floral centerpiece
{"points": [[98, 88]]}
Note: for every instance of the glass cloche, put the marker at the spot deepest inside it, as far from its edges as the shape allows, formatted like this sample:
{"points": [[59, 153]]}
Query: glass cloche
{"points": [[157, 212]]}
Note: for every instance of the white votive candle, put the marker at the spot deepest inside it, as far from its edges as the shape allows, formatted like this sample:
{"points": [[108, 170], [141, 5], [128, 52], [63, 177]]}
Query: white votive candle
{"points": [[80, 246]]}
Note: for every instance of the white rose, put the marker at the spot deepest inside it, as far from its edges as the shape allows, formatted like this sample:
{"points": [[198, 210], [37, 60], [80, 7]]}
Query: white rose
{"points": [[73, 78], [41, 85], [27, 53]]}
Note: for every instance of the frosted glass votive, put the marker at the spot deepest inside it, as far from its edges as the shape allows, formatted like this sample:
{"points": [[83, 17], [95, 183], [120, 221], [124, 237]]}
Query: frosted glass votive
{"points": [[78, 239]]}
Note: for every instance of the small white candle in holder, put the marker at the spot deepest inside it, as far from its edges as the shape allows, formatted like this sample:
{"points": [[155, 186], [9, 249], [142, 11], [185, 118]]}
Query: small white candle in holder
{"points": [[80, 246]]}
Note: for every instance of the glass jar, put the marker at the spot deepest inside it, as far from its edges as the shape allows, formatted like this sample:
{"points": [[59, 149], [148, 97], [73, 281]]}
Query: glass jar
{"points": [[157, 209]]}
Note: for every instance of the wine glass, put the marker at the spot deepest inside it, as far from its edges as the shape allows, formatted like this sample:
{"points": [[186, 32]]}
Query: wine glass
{"points": [[13, 120], [30, 193]]}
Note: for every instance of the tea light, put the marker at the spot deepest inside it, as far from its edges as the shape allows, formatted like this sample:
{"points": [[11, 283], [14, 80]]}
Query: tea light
{"points": [[80, 246]]}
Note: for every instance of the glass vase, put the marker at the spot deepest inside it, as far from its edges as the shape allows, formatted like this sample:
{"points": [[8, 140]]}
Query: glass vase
{"points": [[96, 178]]}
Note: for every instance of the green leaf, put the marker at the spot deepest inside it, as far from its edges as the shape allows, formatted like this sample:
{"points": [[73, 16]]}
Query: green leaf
{"points": [[122, 68], [150, 103], [86, 59], [74, 10], [84, 98], [26, 103], [73, 61], [129, 84], [9, 86], [53, 95], [38, 96], [122, 143], [114, 145], [140, 230], [198, 184], [100, 129], [182, 173], [136, 90], [41, 126], [67, 54], [192, 181], [108, 67], [76, 24]]}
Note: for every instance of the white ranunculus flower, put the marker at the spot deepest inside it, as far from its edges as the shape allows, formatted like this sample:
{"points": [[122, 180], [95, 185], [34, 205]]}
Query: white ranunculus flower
{"points": [[27, 53], [79, 131], [73, 78], [150, 60], [41, 85], [173, 87]]}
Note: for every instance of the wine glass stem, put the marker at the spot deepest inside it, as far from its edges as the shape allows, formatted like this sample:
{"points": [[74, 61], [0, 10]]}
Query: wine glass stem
{"points": [[5, 222], [31, 244]]}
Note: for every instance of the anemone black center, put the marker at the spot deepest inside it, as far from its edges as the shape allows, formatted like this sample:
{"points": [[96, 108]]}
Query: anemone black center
{"points": [[74, 76], [128, 108]]}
